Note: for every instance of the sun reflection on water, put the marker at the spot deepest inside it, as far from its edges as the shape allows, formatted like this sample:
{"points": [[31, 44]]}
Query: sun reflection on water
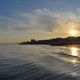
{"points": [[74, 51], [74, 61]]}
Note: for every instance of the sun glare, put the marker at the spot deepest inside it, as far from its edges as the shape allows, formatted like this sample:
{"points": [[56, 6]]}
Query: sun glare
{"points": [[73, 32]]}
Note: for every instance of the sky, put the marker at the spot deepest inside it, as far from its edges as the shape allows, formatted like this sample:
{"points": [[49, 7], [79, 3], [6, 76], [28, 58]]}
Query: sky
{"points": [[22, 20]]}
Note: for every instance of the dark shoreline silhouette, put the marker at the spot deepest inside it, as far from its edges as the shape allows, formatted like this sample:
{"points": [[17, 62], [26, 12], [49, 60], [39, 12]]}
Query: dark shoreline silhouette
{"points": [[55, 41]]}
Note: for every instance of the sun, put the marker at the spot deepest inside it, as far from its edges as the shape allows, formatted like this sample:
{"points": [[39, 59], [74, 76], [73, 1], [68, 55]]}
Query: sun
{"points": [[73, 32]]}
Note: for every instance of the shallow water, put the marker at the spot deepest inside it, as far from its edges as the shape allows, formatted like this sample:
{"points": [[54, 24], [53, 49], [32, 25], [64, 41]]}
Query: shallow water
{"points": [[39, 62]]}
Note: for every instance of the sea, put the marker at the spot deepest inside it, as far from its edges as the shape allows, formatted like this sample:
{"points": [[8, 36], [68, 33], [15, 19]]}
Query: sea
{"points": [[39, 62]]}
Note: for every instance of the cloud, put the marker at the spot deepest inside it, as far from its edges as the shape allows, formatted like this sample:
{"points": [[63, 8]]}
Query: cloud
{"points": [[38, 24], [40, 19]]}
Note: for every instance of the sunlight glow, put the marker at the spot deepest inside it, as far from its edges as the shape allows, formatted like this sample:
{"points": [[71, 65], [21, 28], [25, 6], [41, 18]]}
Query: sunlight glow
{"points": [[73, 32]]}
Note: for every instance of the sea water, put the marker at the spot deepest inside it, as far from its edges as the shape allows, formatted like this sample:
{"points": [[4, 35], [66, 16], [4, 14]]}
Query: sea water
{"points": [[39, 62]]}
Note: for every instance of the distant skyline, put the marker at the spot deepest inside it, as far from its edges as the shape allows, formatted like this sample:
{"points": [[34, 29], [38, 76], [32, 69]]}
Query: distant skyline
{"points": [[22, 20]]}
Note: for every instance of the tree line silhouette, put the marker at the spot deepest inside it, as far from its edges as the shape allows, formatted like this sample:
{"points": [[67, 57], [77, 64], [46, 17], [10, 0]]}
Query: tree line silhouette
{"points": [[55, 41]]}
